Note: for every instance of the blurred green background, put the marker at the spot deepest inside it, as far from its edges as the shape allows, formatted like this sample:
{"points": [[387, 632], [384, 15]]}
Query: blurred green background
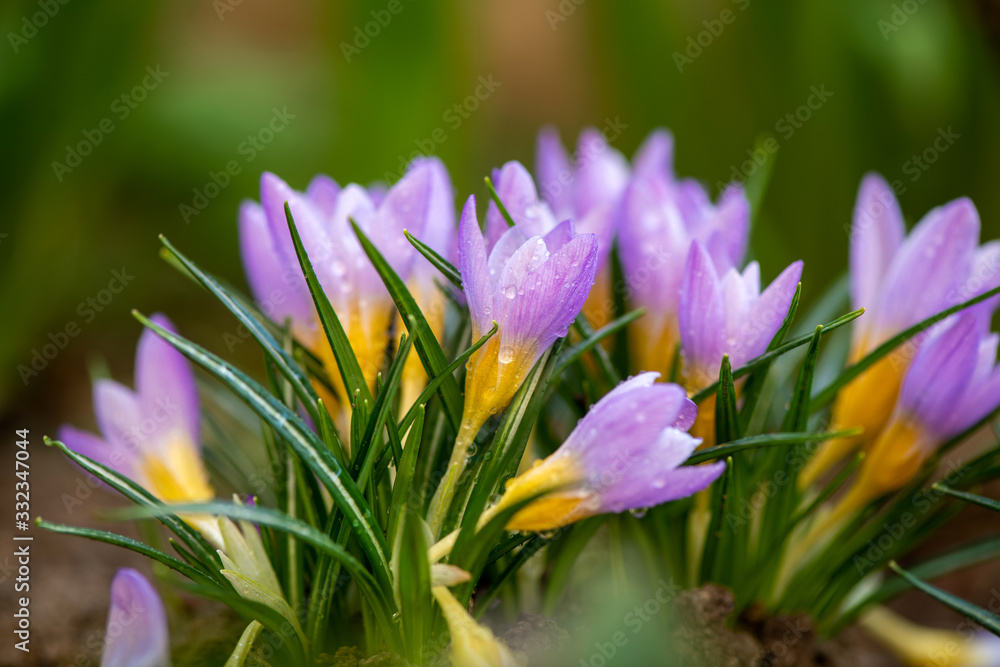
{"points": [[898, 73]]}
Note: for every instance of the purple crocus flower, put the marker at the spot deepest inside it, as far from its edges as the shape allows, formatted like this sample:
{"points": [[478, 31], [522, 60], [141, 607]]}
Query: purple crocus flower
{"points": [[151, 435], [660, 218], [586, 188], [533, 287], [901, 280], [137, 634], [727, 314], [952, 383], [419, 202], [624, 454]]}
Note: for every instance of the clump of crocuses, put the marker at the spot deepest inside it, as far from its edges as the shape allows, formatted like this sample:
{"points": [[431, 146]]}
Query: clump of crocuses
{"points": [[379, 517]]}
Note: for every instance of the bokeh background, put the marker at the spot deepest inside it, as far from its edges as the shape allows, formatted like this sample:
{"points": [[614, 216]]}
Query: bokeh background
{"points": [[899, 75]]}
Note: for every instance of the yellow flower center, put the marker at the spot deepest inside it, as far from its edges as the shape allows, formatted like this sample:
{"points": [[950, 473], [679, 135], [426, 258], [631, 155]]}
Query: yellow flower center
{"points": [[568, 502], [175, 474]]}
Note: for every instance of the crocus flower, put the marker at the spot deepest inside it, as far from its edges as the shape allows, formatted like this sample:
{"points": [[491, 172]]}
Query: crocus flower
{"points": [[952, 383], [137, 634], [625, 454], [436, 229], [587, 189], [472, 644], [151, 435], [533, 288], [419, 202], [900, 280], [660, 218], [726, 315]]}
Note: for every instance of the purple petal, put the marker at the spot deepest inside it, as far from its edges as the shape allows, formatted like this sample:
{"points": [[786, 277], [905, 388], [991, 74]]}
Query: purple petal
{"points": [[505, 247], [439, 228], [279, 288], [118, 457], [632, 416], [407, 205], [979, 400], [474, 267], [554, 172], [653, 245], [119, 415], [767, 314], [323, 192], [165, 387], [929, 265], [656, 488], [984, 276], [940, 372], [347, 272], [655, 157], [137, 634], [602, 174], [560, 235], [876, 235], [517, 192], [732, 225], [311, 225], [687, 416], [701, 315], [553, 295]]}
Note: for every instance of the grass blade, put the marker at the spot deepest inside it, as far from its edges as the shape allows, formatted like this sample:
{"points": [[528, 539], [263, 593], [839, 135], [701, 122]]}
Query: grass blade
{"points": [[770, 356], [765, 440], [496, 200], [132, 545], [313, 452], [281, 359], [727, 424], [977, 614], [431, 354], [440, 263], [347, 361]]}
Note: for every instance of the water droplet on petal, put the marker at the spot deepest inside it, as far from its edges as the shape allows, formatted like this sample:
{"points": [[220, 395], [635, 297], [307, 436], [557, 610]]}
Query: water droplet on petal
{"points": [[509, 291], [638, 512], [506, 354]]}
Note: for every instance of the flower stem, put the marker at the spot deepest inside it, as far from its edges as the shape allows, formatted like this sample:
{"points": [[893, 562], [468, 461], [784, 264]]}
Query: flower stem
{"points": [[456, 466]]}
